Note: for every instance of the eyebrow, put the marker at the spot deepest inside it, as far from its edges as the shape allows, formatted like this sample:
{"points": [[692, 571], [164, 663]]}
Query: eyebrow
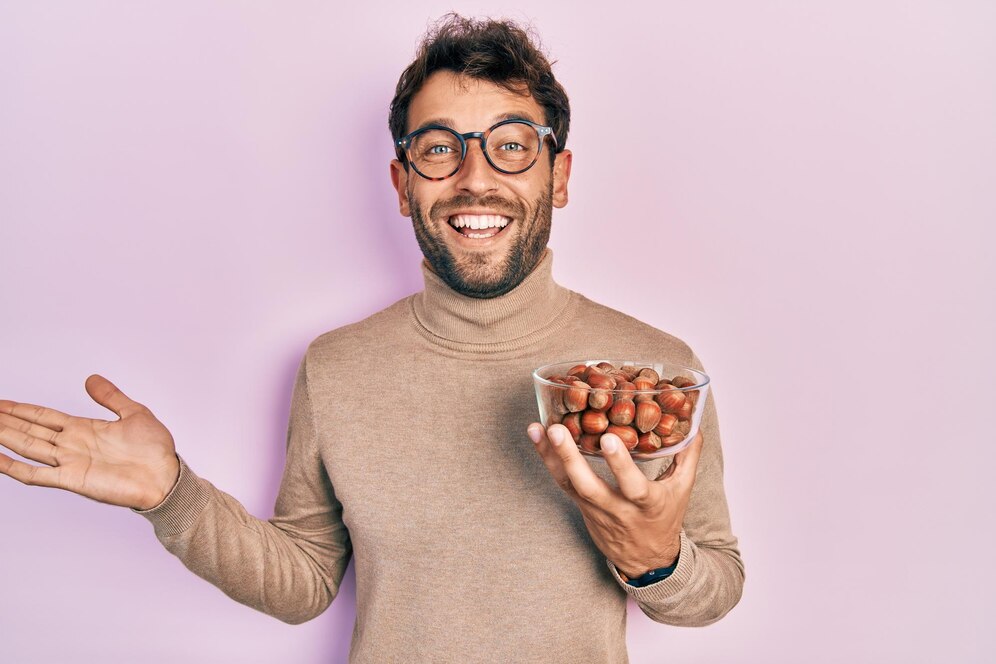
{"points": [[449, 122]]}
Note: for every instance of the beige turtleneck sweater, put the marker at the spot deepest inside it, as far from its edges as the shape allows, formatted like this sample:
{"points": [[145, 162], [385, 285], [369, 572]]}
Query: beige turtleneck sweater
{"points": [[407, 450]]}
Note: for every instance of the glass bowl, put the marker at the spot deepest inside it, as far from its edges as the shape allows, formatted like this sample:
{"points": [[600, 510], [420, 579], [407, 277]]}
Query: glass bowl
{"points": [[654, 407]]}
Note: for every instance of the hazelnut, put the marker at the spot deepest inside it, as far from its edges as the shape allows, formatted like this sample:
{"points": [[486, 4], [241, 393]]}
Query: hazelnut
{"points": [[590, 442], [644, 384], [576, 396], [605, 366], [671, 401], [590, 371], [577, 370], [619, 376], [682, 381], [624, 390], [622, 412], [648, 414], [627, 435], [573, 423], [693, 396], [648, 442], [671, 440], [600, 397], [666, 426], [594, 421], [686, 410], [649, 373], [682, 427]]}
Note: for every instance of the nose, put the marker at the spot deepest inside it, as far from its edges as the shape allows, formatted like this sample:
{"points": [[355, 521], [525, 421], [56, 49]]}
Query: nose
{"points": [[476, 177]]}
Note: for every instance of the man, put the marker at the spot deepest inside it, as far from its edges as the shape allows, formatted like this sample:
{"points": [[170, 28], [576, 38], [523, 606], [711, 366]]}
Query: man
{"points": [[405, 444]]}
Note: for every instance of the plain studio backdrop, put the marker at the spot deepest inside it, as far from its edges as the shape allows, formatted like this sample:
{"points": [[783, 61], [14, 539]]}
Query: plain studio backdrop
{"points": [[190, 192]]}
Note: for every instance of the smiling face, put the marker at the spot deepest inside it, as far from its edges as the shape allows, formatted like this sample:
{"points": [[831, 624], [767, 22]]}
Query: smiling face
{"points": [[481, 231]]}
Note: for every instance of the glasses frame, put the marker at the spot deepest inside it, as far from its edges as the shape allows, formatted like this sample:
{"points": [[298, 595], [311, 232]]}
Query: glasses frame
{"points": [[403, 145]]}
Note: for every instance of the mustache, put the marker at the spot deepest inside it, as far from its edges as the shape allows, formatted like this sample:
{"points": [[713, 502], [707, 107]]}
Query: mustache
{"points": [[442, 209]]}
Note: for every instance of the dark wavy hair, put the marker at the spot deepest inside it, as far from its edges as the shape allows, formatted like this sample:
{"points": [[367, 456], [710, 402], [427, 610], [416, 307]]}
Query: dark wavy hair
{"points": [[498, 51]]}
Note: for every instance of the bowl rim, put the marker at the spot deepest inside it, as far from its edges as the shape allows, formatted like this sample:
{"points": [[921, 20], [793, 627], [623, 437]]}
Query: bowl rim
{"points": [[704, 378]]}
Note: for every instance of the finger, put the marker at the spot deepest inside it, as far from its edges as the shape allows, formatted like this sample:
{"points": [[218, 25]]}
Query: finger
{"points": [[633, 484], [15, 439], [686, 462], [28, 474], [586, 483], [46, 417], [110, 397], [29, 428], [552, 462]]}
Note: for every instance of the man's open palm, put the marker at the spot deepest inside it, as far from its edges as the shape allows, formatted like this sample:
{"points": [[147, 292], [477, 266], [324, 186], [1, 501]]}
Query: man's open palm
{"points": [[130, 462]]}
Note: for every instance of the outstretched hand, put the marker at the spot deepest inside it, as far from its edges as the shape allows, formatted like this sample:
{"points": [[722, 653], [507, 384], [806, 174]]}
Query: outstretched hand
{"points": [[638, 525], [129, 462]]}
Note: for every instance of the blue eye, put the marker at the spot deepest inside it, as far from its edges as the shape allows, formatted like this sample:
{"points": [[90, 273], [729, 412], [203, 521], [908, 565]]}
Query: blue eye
{"points": [[439, 149], [512, 147]]}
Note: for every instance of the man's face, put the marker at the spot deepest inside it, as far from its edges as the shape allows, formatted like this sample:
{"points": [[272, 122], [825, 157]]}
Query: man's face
{"points": [[480, 266]]}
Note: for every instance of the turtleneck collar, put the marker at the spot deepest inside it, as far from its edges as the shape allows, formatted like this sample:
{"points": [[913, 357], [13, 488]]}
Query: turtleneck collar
{"points": [[528, 311]]}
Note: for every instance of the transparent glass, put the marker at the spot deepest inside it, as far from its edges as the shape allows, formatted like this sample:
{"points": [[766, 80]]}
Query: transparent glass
{"points": [[653, 416]]}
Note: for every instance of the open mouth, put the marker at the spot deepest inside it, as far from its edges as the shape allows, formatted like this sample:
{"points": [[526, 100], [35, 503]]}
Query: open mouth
{"points": [[479, 226]]}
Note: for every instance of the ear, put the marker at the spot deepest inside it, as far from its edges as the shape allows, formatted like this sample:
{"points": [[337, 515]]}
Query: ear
{"points": [[399, 178], [561, 174]]}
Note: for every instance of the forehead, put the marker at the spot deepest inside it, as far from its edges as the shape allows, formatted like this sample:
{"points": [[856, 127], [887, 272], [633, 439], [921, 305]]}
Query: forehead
{"points": [[468, 104]]}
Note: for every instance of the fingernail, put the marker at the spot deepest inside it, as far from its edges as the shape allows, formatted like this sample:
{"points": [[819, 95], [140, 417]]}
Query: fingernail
{"points": [[534, 434], [609, 443], [556, 436]]}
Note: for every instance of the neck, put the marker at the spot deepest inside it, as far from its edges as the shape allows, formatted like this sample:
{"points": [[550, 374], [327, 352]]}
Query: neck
{"points": [[519, 313]]}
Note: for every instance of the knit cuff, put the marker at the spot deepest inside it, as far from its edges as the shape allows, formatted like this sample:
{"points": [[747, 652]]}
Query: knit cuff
{"points": [[181, 506], [668, 587]]}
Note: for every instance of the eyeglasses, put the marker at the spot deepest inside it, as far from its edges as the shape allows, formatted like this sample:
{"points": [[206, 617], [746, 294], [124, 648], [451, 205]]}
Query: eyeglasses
{"points": [[512, 146]]}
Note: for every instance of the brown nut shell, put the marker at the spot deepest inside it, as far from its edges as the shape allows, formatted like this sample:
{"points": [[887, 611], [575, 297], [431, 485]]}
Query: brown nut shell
{"points": [[600, 399], [591, 371], [577, 370], [594, 421], [622, 412], [666, 426], [652, 374], [573, 423], [576, 396], [672, 440], [590, 442], [648, 442], [693, 396], [625, 390], [682, 381], [671, 401], [686, 411], [628, 435], [648, 414]]}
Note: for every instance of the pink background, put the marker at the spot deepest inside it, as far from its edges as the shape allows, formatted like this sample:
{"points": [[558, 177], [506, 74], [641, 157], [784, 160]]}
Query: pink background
{"points": [[192, 191]]}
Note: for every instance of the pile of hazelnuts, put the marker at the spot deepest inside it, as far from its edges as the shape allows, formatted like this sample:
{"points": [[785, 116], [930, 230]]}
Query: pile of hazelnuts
{"points": [[646, 411]]}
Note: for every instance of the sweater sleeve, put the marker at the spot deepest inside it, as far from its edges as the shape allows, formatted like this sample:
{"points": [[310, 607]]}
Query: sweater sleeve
{"points": [[708, 580], [289, 566]]}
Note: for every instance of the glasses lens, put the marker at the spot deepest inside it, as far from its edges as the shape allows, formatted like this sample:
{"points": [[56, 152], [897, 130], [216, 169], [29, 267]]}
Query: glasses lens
{"points": [[513, 146], [435, 153]]}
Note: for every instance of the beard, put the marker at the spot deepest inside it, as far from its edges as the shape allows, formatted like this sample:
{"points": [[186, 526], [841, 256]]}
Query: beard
{"points": [[474, 273]]}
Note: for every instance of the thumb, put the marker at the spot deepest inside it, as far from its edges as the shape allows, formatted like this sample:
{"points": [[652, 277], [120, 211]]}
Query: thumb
{"points": [[110, 397]]}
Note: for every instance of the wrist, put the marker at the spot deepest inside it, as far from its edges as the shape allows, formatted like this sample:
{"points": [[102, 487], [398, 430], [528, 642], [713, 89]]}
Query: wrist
{"points": [[668, 559], [165, 483]]}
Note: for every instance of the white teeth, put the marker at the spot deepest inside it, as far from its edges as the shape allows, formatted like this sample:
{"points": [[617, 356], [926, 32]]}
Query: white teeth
{"points": [[479, 221]]}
